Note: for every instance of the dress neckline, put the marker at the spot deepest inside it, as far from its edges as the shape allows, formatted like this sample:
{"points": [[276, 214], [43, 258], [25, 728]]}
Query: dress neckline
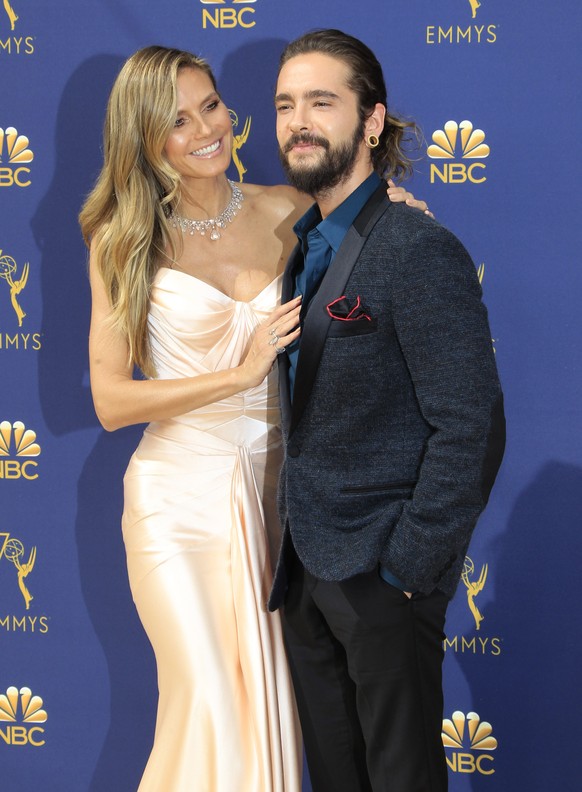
{"points": [[219, 291]]}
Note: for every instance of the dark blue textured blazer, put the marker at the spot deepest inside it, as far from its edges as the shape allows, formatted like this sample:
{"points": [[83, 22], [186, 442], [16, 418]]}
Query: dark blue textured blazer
{"points": [[396, 430]]}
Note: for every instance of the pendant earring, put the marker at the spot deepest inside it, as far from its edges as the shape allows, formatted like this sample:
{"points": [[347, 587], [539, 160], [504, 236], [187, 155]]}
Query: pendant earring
{"points": [[372, 141]]}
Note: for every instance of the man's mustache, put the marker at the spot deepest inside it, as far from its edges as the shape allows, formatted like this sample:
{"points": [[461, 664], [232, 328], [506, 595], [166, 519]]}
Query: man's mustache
{"points": [[309, 140]]}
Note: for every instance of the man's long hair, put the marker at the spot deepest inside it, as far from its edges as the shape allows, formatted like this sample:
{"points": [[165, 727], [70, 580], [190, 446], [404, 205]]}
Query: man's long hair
{"points": [[366, 79]]}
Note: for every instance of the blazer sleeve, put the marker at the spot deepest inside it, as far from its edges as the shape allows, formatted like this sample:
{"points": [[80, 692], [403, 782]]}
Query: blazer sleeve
{"points": [[443, 331]]}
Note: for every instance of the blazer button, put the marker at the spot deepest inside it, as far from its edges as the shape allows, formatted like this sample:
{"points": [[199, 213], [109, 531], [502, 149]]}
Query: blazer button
{"points": [[293, 450]]}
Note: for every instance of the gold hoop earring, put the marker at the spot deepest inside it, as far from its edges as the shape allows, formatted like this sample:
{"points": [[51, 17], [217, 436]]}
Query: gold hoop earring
{"points": [[372, 141]]}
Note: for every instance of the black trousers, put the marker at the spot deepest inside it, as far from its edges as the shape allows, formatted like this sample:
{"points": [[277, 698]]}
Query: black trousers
{"points": [[366, 663]]}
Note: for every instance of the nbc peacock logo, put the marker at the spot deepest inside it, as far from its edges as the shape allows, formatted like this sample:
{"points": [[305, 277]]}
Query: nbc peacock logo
{"points": [[222, 14], [464, 733], [444, 147], [20, 714], [15, 154], [18, 441]]}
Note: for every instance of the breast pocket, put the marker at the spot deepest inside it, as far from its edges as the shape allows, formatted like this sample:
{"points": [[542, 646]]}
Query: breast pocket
{"points": [[350, 328]]}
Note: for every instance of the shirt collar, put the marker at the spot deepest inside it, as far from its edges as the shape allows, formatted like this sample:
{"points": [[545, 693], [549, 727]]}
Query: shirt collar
{"points": [[336, 224]]}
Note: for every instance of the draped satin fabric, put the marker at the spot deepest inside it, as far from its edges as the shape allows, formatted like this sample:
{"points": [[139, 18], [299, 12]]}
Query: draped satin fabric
{"points": [[200, 531]]}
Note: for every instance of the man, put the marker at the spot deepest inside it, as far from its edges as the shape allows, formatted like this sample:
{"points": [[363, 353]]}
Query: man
{"points": [[394, 432]]}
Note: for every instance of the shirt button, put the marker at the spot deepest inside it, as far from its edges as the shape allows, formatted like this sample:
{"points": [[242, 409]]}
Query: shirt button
{"points": [[293, 451]]}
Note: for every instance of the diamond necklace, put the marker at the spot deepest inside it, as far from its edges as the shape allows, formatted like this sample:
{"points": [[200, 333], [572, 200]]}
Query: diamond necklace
{"points": [[213, 224]]}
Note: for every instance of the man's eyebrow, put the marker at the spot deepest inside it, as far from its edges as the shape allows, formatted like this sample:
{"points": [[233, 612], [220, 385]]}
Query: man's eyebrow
{"points": [[317, 93]]}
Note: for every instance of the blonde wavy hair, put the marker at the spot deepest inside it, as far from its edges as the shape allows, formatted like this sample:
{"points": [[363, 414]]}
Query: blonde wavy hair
{"points": [[125, 217]]}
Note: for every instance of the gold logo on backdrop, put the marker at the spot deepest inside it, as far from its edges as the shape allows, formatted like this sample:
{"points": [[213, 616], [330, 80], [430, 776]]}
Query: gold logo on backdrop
{"points": [[474, 587], [475, 4], [25, 444], [228, 14], [16, 436], [444, 147], [445, 142], [461, 729], [238, 142], [14, 155], [476, 643], [479, 732], [8, 270], [12, 549], [29, 711], [11, 13], [464, 34], [17, 43], [21, 706], [16, 146]]}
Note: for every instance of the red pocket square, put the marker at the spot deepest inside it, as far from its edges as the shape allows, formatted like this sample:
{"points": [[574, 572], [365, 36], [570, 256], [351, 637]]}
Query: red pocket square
{"points": [[342, 310]]}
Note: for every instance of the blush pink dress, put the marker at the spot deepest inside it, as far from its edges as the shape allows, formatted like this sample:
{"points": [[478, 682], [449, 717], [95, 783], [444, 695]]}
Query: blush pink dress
{"points": [[198, 523]]}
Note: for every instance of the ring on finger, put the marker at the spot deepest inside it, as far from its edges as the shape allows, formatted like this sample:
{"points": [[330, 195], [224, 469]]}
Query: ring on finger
{"points": [[274, 341], [279, 350], [273, 332]]}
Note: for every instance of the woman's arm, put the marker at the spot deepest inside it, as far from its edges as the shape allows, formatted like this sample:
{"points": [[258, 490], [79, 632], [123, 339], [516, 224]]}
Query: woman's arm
{"points": [[399, 194], [121, 400]]}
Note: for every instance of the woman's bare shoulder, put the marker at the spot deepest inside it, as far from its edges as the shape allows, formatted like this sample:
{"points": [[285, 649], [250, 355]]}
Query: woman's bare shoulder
{"points": [[280, 200]]}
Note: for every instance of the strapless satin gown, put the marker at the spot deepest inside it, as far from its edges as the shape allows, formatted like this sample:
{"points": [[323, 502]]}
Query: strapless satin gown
{"points": [[198, 522]]}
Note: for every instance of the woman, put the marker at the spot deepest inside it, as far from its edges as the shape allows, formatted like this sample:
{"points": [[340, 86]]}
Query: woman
{"points": [[184, 270]]}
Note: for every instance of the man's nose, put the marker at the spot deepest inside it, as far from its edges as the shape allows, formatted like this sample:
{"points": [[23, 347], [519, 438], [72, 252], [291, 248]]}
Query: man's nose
{"points": [[299, 123]]}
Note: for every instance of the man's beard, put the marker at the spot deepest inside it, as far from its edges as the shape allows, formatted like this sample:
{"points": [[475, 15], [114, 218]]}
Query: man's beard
{"points": [[330, 170]]}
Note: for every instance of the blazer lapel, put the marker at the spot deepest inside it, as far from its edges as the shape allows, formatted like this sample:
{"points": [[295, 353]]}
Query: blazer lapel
{"points": [[293, 262], [283, 362], [317, 319]]}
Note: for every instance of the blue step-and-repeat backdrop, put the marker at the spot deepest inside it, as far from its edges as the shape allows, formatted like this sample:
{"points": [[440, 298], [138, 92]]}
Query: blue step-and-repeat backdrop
{"points": [[495, 87]]}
